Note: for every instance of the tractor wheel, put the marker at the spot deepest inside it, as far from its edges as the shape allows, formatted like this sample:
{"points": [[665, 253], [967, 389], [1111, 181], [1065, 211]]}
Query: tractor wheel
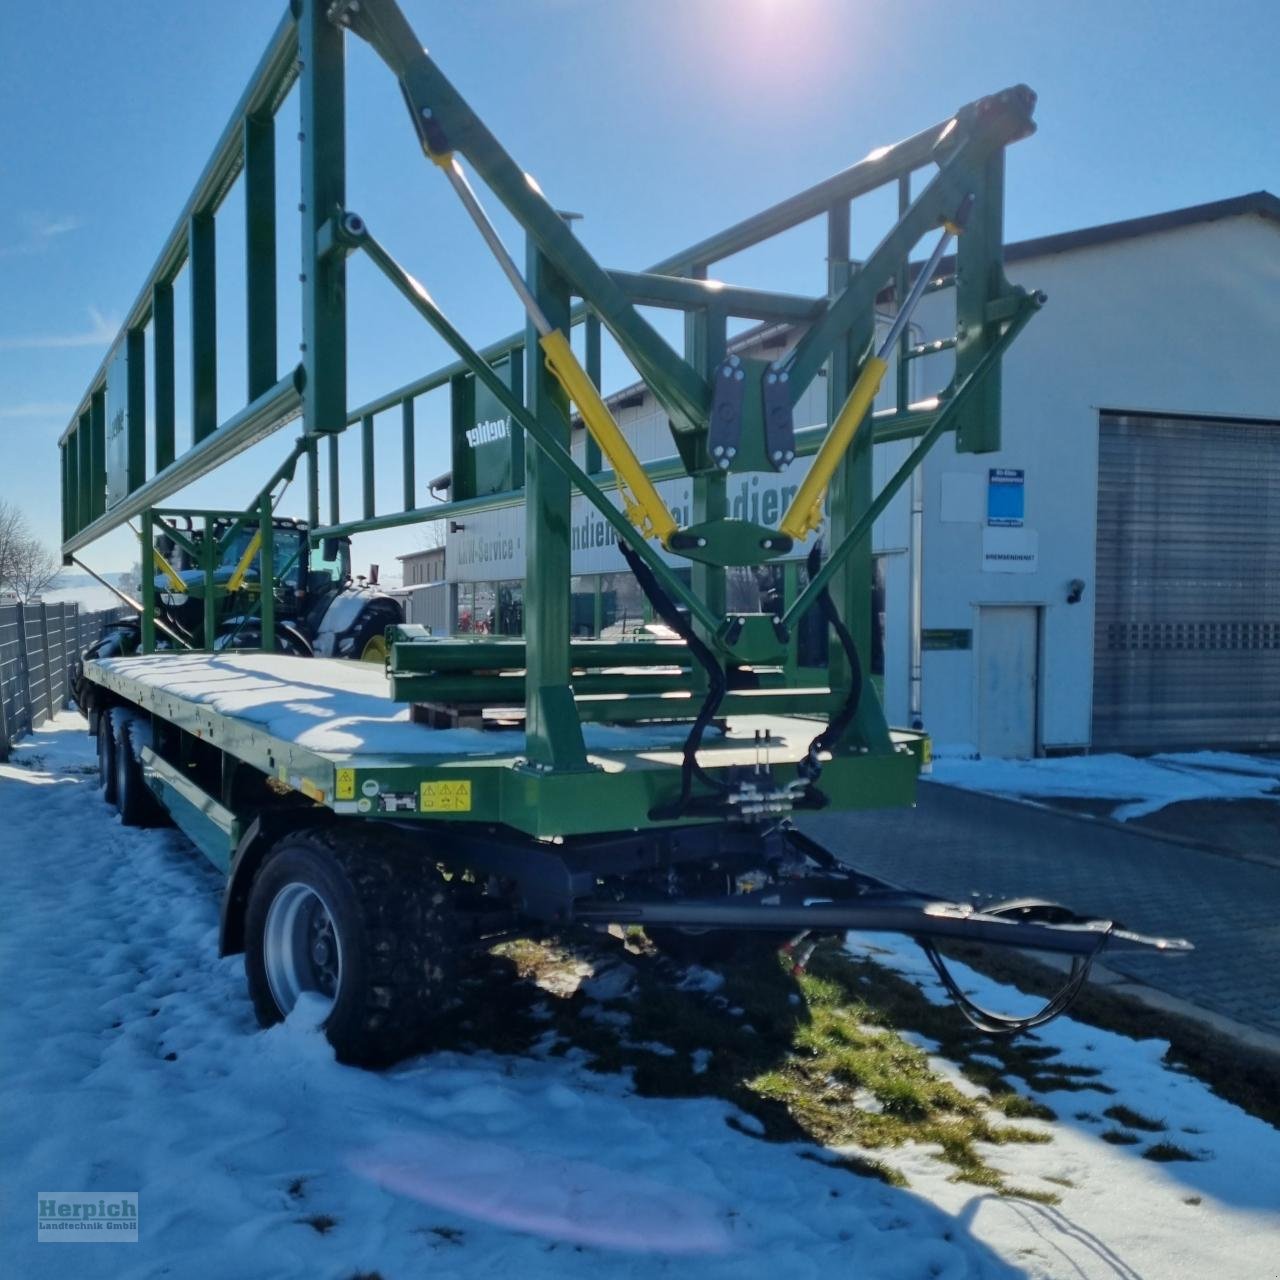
{"points": [[370, 641], [364, 929], [106, 757], [375, 649], [136, 805]]}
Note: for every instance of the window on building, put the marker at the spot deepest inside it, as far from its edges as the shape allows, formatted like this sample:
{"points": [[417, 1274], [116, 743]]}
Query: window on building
{"points": [[812, 633], [622, 606], [582, 605], [509, 617], [754, 589]]}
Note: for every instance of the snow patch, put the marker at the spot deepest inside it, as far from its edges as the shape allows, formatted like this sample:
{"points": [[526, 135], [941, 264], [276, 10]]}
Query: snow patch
{"points": [[132, 1060], [1137, 787]]}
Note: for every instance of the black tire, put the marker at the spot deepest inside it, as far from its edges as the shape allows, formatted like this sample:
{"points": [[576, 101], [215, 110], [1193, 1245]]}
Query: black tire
{"points": [[249, 636], [118, 641], [390, 920], [370, 643], [106, 758], [134, 802]]}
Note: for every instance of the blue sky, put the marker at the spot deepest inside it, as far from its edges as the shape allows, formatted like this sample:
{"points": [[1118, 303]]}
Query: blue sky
{"points": [[660, 120]]}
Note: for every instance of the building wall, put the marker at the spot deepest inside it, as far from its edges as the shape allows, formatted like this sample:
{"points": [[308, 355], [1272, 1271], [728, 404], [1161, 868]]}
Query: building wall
{"points": [[1184, 321], [421, 567]]}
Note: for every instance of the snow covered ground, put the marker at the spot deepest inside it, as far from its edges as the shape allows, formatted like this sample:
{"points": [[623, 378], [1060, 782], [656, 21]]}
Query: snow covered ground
{"points": [[1136, 786], [131, 1061]]}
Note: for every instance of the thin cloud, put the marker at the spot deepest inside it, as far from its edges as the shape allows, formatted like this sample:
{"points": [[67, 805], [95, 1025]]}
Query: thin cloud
{"points": [[99, 334], [36, 409], [46, 228], [41, 230]]}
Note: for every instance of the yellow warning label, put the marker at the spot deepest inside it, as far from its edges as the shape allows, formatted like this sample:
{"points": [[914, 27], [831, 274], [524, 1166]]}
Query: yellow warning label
{"points": [[344, 787], [445, 797]]}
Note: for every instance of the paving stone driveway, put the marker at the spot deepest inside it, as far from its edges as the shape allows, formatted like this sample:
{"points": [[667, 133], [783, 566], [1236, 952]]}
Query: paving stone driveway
{"points": [[960, 843]]}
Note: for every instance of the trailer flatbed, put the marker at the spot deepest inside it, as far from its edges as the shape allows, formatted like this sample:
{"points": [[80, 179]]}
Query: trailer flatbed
{"points": [[617, 777], [329, 729]]}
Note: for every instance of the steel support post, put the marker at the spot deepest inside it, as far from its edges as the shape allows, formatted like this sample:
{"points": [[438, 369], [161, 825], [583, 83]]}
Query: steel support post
{"points": [[335, 491], [202, 272], [553, 732], [208, 549], [367, 467], [324, 325], [84, 465], [98, 450], [705, 339], [408, 439], [980, 280], [260, 251], [266, 575], [135, 418], [849, 495], [313, 483], [163, 380], [146, 539]]}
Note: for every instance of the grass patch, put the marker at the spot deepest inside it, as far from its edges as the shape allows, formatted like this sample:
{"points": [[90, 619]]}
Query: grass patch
{"points": [[1132, 1119], [1167, 1152], [815, 1058], [1120, 1137]]}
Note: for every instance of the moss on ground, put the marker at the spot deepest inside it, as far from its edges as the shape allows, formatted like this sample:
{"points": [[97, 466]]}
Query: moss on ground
{"points": [[816, 1058]]}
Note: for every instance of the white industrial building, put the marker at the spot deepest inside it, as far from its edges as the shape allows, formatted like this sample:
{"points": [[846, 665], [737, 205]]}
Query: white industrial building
{"points": [[1111, 577]]}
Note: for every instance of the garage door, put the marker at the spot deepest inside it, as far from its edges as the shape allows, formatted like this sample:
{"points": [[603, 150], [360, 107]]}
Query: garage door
{"points": [[1187, 650]]}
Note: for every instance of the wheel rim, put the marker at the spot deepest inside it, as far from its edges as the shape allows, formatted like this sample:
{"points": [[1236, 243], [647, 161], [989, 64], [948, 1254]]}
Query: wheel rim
{"points": [[375, 650], [301, 950]]}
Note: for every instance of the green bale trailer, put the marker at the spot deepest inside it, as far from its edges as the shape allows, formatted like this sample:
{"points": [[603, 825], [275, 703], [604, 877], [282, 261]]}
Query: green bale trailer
{"points": [[649, 780]]}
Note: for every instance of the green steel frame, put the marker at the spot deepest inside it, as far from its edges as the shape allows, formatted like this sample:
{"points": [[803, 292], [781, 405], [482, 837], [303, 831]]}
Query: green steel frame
{"points": [[106, 479]]}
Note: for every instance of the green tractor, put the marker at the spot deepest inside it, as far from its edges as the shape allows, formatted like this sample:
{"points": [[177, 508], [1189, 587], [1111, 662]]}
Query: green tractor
{"points": [[320, 609]]}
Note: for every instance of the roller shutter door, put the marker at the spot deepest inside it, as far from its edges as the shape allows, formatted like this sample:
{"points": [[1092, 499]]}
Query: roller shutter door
{"points": [[1187, 642]]}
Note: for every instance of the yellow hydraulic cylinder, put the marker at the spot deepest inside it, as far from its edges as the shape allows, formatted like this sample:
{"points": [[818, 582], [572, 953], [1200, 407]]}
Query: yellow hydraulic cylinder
{"points": [[237, 578], [805, 512], [175, 580], [644, 504]]}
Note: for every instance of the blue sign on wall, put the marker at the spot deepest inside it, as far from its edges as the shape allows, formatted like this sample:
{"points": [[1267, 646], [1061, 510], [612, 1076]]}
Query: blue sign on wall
{"points": [[1006, 492]]}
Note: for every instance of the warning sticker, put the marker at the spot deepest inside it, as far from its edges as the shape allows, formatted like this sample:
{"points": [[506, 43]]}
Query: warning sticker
{"points": [[445, 797], [344, 787]]}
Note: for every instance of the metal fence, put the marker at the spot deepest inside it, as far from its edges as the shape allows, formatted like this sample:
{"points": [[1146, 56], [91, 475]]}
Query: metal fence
{"points": [[38, 646]]}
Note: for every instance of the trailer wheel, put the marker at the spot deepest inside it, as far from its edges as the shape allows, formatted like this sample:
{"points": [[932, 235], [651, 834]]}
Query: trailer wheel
{"points": [[136, 805], [106, 757], [361, 926]]}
